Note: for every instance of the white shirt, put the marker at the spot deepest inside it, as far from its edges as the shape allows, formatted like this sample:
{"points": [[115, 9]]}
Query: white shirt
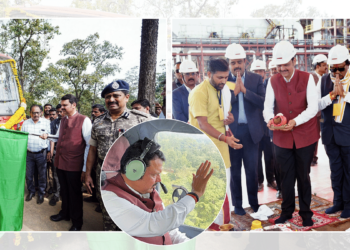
{"points": [[306, 115], [140, 223], [86, 132], [188, 89], [35, 143], [325, 101]]}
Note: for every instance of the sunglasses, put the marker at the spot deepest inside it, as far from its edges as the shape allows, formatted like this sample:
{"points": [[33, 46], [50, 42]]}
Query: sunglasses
{"points": [[336, 69]]}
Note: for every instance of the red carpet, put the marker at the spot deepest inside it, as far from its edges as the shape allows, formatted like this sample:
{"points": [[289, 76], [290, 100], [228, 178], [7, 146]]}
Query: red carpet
{"points": [[296, 222]]}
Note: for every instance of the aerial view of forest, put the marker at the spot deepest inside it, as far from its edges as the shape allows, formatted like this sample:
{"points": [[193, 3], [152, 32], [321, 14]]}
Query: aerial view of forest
{"points": [[184, 153]]}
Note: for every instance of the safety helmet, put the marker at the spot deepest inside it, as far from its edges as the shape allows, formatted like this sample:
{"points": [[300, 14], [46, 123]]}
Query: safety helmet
{"points": [[188, 66], [338, 54], [235, 51], [272, 64], [319, 58], [257, 65], [283, 52]]}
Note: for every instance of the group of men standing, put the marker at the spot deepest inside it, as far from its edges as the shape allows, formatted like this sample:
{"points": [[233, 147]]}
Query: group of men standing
{"points": [[253, 102], [79, 145]]}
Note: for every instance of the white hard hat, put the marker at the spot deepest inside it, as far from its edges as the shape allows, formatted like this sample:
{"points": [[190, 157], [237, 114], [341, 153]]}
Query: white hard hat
{"points": [[272, 64], [319, 58], [188, 66], [283, 52], [258, 64], [235, 51], [338, 54]]}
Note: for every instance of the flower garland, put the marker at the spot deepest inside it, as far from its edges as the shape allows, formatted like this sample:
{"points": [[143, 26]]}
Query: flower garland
{"points": [[20, 114]]}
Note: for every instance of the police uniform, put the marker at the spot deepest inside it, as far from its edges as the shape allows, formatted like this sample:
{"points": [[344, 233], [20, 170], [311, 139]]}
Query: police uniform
{"points": [[104, 132]]}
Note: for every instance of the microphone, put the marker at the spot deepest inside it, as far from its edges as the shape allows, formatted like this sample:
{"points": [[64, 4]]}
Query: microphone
{"points": [[165, 190]]}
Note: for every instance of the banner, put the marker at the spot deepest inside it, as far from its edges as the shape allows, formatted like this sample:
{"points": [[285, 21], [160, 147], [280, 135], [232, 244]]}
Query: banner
{"points": [[13, 154]]}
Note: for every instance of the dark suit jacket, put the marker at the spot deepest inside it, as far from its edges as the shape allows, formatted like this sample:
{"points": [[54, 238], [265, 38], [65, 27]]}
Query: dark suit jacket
{"points": [[330, 128], [180, 104], [253, 105]]}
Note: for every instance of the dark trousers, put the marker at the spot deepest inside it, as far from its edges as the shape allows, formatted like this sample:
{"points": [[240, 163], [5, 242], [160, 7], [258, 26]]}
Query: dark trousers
{"points": [[339, 161], [55, 184], [295, 165], [249, 155], [266, 146], [72, 198], [315, 158], [36, 161], [277, 168]]}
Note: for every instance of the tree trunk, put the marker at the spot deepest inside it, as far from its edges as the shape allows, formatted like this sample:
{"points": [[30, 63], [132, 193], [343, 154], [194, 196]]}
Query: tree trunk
{"points": [[148, 61]]}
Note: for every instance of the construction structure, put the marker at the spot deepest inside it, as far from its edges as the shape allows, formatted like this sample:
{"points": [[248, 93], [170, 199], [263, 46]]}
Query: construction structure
{"points": [[200, 40]]}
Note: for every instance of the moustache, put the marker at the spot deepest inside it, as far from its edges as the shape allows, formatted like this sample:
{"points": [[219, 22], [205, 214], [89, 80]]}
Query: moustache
{"points": [[191, 79], [110, 103], [237, 69]]}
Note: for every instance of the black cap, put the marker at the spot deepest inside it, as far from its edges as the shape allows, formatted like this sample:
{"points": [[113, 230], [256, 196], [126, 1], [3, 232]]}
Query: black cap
{"points": [[115, 86]]}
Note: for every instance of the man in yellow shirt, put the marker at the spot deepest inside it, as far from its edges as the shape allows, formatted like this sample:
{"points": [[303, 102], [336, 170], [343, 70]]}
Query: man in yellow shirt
{"points": [[207, 101]]}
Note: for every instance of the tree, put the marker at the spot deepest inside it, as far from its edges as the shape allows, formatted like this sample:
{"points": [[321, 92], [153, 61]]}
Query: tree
{"points": [[25, 40], [148, 60], [85, 65], [132, 77], [161, 76], [286, 9]]}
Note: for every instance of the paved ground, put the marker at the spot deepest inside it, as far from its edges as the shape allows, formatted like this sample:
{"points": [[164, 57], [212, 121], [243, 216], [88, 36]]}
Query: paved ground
{"points": [[37, 217]]}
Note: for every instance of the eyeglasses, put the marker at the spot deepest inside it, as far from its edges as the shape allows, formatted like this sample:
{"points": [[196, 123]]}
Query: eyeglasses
{"points": [[190, 74], [336, 69]]}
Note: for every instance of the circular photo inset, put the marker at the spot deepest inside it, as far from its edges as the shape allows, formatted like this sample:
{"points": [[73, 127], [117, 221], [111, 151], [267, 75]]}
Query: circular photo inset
{"points": [[163, 182]]}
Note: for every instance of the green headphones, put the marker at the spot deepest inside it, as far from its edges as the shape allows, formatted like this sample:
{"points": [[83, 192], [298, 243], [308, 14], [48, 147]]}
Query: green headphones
{"points": [[136, 167]]}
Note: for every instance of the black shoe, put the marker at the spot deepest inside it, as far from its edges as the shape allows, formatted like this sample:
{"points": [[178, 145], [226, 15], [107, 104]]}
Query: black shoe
{"points": [[282, 219], [58, 217], [272, 184], [50, 191], [91, 199], [98, 209], [334, 209], [308, 222], [30, 196], [40, 199], [73, 228], [261, 187], [255, 208], [279, 194], [54, 199]]}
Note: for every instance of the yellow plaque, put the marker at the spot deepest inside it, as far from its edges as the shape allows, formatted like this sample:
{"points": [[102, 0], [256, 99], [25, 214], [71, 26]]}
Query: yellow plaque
{"points": [[336, 109]]}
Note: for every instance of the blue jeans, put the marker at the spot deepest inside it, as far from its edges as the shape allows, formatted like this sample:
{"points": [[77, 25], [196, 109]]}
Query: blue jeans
{"points": [[37, 161]]}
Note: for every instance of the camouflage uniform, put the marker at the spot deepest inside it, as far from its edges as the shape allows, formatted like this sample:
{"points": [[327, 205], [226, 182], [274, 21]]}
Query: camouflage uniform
{"points": [[103, 134]]}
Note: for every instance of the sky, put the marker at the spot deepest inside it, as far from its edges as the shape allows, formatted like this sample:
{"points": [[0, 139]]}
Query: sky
{"points": [[124, 33], [243, 8]]}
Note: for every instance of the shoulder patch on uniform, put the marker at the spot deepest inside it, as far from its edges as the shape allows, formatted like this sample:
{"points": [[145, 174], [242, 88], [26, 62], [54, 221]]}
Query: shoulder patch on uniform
{"points": [[136, 112]]}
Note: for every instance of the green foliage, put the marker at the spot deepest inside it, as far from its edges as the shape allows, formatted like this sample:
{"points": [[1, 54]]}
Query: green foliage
{"points": [[87, 62], [26, 40], [132, 77], [184, 153]]}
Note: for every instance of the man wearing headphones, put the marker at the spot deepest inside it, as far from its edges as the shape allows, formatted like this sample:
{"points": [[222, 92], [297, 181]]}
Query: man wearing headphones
{"points": [[136, 207]]}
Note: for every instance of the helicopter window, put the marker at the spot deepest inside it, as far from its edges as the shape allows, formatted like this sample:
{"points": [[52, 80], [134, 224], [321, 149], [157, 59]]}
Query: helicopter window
{"points": [[184, 152], [9, 97]]}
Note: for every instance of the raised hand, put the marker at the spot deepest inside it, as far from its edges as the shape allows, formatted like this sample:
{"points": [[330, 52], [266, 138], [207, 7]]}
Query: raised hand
{"points": [[200, 179]]}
